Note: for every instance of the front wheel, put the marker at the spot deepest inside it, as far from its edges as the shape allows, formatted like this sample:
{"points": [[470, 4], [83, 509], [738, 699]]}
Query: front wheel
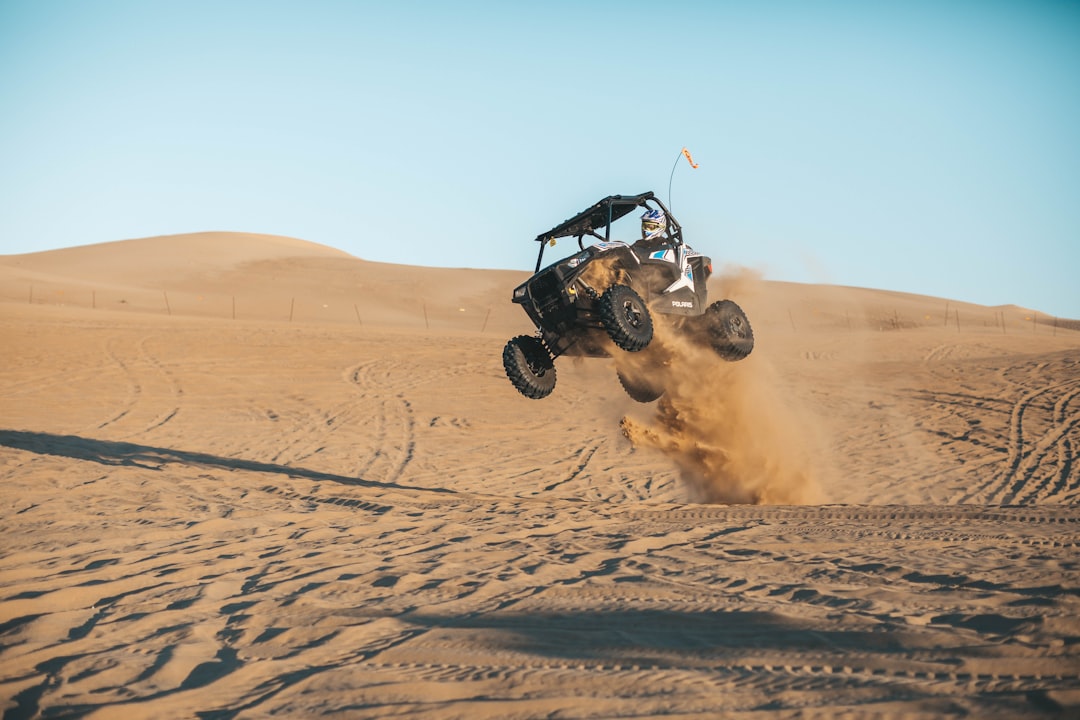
{"points": [[529, 366], [729, 330], [626, 318]]}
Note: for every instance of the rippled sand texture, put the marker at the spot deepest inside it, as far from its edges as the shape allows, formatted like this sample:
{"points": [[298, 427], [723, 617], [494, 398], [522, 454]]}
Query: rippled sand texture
{"points": [[212, 510]]}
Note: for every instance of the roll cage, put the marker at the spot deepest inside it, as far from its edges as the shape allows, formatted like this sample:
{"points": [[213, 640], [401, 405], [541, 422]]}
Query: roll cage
{"points": [[599, 217]]}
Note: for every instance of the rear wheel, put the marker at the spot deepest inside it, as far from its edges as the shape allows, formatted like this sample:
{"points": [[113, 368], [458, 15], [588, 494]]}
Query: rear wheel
{"points": [[529, 366], [729, 330], [639, 389], [626, 318]]}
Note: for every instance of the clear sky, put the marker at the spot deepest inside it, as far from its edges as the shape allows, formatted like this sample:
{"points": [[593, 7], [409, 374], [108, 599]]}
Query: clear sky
{"points": [[927, 147]]}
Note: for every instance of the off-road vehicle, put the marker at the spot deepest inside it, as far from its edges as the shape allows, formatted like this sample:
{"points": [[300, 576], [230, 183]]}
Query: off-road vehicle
{"points": [[599, 301]]}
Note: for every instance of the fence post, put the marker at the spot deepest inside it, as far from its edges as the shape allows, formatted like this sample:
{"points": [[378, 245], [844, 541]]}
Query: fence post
{"points": [[957, 319], [167, 308], [292, 306], [484, 326], [357, 310], [426, 325]]}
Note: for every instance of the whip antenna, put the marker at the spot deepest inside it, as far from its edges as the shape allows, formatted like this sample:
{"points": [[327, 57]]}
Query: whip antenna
{"points": [[682, 153]]}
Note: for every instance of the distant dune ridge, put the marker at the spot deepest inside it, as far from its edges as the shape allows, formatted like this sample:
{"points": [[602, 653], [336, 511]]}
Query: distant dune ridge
{"points": [[264, 276], [259, 277], [247, 475]]}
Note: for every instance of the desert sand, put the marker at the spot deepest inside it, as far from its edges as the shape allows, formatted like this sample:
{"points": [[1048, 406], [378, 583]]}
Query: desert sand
{"points": [[248, 476]]}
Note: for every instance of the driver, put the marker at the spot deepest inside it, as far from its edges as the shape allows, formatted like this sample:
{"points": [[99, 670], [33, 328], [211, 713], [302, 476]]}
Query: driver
{"points": [[653, 228]]}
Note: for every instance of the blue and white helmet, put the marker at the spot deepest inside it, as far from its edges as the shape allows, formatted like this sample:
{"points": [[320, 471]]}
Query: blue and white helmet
{"points": [[653, 224]]}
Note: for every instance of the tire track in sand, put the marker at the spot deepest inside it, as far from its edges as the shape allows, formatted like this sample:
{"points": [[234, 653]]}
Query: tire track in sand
{"points": [[145, 391], [1059, 486], [389, 427], [1007, 485], [1029, 458]]}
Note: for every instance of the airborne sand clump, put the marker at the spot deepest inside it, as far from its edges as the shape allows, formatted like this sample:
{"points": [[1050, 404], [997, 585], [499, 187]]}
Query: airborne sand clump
{"points": [[733, 435]]}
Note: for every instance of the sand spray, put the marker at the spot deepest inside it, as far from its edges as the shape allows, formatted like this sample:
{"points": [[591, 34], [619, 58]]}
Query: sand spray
{"points": [[727, 426]]}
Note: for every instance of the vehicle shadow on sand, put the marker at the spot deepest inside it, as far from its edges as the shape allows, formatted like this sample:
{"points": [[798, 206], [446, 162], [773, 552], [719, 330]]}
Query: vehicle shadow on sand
{"points": [[125, 454]]}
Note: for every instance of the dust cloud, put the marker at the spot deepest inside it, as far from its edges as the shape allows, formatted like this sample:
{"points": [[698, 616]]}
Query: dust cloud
{"points": [[728, 426]]}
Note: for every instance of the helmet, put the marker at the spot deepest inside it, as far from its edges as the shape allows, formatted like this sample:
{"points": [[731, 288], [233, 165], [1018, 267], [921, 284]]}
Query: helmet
{"points": [[653, 224]]}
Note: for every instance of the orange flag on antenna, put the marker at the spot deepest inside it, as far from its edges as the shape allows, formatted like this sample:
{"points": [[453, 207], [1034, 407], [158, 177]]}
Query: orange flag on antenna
{"points": [[689, 159]]}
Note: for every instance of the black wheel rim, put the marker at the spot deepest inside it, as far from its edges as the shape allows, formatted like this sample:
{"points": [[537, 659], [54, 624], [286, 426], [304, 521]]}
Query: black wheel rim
{"points": [[533, 362], [537, 369]]}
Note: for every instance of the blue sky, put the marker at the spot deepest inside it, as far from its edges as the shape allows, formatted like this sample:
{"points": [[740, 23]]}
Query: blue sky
{"points": [[928, 147]]}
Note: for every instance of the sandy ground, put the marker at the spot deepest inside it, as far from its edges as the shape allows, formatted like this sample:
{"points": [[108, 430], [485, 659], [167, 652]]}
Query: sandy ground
{"points": [[247, 476]]}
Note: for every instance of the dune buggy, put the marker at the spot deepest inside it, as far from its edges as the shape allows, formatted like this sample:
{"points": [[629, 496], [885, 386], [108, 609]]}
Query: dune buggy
{"points": [[600, 300]]}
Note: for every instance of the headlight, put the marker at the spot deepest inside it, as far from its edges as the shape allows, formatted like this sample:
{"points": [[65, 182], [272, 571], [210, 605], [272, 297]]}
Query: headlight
{"points": [[519, 293]]}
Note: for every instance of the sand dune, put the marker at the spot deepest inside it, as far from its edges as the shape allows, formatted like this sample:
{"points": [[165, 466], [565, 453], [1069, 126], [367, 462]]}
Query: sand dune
{"points": [[249, 476]]}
